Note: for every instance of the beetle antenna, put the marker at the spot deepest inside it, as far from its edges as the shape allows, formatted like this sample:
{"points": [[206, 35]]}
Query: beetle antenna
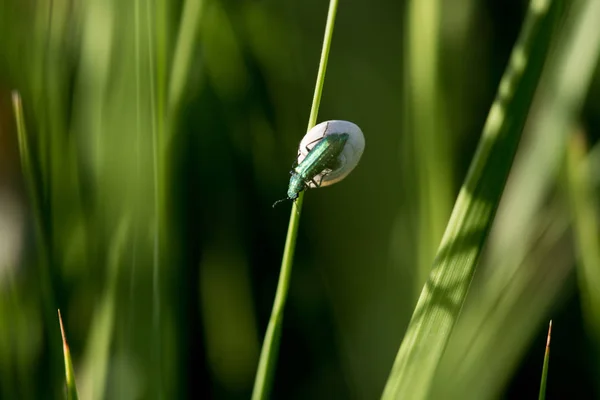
{"points": [[279, 201]]}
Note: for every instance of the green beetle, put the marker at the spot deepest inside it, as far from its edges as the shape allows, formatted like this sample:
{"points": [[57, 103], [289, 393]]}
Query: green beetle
{"points": [[336, 149]]}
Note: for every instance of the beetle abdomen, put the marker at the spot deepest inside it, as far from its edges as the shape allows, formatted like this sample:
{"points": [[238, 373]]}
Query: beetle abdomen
{"points": [[322, 157]]}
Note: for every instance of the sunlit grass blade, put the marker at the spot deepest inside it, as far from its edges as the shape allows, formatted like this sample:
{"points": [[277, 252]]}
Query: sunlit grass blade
{"points": [[529, 256], [546, 363], [508, 317], [268, 355], [446, 289], [69, 372]]}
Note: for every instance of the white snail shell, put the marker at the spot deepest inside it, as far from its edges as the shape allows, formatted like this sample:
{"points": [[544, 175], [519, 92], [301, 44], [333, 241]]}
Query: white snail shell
{"points": [[349, 157]]}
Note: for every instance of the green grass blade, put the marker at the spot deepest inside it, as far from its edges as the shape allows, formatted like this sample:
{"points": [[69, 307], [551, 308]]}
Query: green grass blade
{"points": [[270, 349], [427, 144], [528, 255], [34, 190], [445, 292], [184, 49], [157, 127], [314, 110], [583, 204], [69, 372], [546, 363], [509, 315], [98, 350]]}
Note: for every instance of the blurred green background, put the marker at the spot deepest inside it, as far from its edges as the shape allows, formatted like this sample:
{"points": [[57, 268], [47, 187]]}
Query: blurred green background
{"points": [[161, 132]]}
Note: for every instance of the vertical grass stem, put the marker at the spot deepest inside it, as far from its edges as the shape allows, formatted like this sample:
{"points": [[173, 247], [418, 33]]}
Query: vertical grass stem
{"points": [[270, 348]]}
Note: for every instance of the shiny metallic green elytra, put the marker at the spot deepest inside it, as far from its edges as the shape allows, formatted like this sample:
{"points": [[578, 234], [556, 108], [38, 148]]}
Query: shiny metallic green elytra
{"points": [[322, 157]]}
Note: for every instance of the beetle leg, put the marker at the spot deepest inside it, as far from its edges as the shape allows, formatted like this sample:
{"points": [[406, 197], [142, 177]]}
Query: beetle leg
{"points": [[316, 140], [308, 144], [318, 184], [323, 175]]}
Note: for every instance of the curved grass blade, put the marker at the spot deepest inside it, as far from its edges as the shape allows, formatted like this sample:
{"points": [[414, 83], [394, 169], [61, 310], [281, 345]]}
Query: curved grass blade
{"points": [[69, 373], [446, 289], [270, 348], [545, 367]]}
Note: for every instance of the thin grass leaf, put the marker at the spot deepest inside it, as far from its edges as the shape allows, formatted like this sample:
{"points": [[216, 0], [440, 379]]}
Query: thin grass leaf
{"points": [[270, 349], [546, 363], [69, 372], [445, 292], [25, 154]]}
